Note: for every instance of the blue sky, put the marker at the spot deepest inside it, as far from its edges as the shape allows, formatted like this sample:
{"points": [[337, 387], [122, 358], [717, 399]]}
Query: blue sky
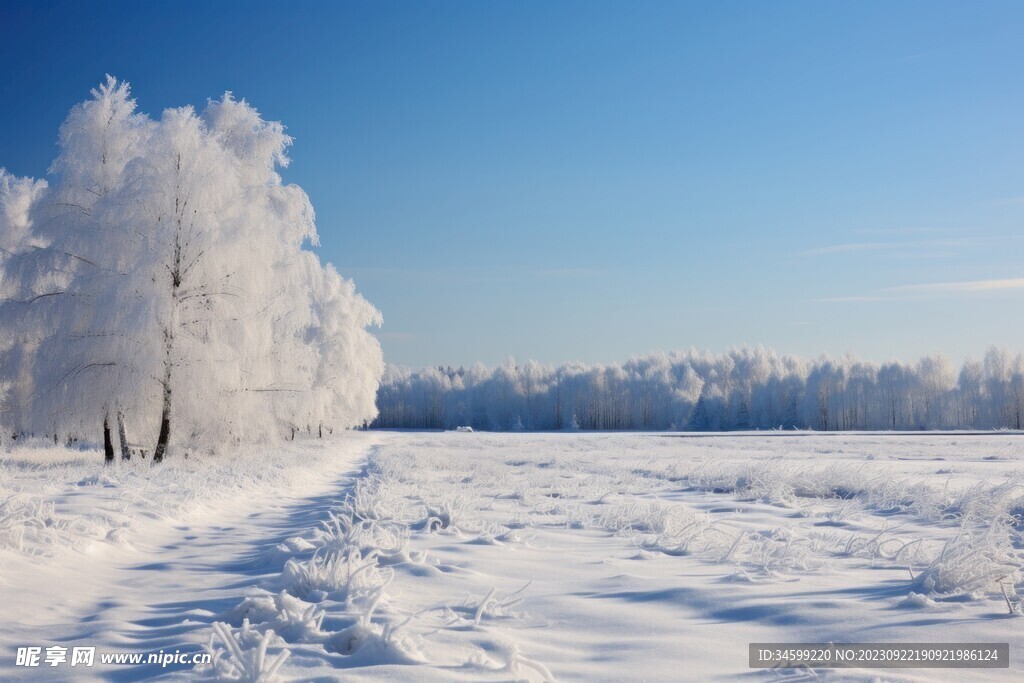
{"points": [[591, 180]]}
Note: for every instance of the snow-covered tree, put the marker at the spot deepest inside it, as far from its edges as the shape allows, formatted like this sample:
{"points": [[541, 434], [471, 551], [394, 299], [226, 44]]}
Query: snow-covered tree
{"points": [[171, 287], [18, 283], [745, 388]]}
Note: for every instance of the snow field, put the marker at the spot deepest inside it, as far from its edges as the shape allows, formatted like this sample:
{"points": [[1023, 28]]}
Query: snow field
{"points": [[476, 556], [614, 557]]}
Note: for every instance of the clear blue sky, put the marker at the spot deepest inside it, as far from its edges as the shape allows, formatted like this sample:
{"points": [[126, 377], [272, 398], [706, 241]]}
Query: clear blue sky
{"points": [[589, 180]]}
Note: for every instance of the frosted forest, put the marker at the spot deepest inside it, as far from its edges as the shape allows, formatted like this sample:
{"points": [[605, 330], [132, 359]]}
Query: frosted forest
{"points": [[746, 388]]}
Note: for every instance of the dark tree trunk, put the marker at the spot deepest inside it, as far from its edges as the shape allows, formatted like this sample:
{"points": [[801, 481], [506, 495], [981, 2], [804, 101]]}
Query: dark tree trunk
{"points": [[108, 445], [165, 422], [126, 453], [321, 432], [176, 276]]}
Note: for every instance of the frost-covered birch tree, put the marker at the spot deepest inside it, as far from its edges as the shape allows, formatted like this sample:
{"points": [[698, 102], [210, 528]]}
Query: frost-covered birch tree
{"points": [[163, 282]]}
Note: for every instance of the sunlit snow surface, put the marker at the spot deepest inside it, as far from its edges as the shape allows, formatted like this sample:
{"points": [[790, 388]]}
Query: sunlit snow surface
{"points": [[474, 556]]}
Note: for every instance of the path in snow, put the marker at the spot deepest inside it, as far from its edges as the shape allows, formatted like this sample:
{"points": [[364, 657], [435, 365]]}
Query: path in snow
{"points": [[161, 589]]}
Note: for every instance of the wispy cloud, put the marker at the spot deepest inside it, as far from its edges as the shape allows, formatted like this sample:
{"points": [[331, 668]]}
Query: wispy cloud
{"points": [[963, 286], [930, 290], [907, 247]]}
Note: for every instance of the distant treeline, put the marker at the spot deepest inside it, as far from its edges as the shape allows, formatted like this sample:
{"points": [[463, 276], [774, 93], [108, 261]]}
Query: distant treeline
{"points": [[746, 388]]}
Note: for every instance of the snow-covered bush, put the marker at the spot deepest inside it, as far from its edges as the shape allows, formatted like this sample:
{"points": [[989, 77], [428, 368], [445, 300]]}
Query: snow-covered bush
{"points": [[977, 561], [343, 576], [288, 617], [242, 654]]}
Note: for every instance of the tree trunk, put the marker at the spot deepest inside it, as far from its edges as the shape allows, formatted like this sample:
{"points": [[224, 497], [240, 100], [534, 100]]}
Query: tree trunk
{"points": [[321, 432], [108, 445], [176, 275], [165, 418], [126, 453]]}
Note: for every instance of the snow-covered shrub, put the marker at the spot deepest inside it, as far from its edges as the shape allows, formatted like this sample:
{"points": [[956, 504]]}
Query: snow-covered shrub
{"points": [[768, 481], [770, 551], [374, 644], [344, 576], [287, 616], [982, 502], [242, 654], [22, 516], [651, 518], [373, 498], [446, 515], [977, 561]]}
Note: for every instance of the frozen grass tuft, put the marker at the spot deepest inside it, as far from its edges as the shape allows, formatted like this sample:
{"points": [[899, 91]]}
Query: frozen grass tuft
{"points": [[977, 561], [242, 654]]}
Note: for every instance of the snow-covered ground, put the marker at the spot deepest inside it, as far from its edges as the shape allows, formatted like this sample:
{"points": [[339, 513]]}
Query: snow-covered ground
{"points": [[473, 556]]}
